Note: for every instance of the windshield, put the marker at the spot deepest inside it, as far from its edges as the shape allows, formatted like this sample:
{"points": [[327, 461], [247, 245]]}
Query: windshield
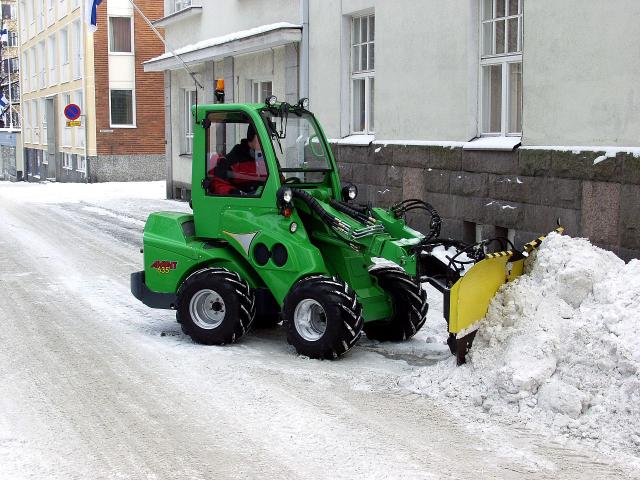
{"points": [[298, 146]]}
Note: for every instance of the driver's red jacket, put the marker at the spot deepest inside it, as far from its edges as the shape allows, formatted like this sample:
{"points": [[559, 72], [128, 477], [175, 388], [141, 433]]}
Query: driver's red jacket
{"points": [[236, 173]]}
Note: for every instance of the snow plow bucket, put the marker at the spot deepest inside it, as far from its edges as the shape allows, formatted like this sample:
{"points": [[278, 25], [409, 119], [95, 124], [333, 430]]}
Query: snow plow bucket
{"points": [[471, 295]]}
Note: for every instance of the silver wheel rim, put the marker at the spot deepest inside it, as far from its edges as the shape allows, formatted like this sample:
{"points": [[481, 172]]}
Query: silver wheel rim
{"points": [[207, 309], [310, 320]]}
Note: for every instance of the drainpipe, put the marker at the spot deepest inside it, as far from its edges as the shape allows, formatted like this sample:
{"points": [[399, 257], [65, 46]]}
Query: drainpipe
{"points": [[304, 50]]}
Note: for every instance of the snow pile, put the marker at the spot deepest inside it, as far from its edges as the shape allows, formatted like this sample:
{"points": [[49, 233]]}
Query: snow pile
{"points": [[559, 349], [56, 193]]}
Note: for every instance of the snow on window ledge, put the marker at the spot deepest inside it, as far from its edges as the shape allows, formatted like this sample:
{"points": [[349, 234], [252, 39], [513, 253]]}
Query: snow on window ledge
{"points": [[493, 143], [358, 140]]}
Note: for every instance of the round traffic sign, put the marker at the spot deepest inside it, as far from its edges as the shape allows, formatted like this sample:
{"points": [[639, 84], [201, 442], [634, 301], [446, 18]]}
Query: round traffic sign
{"points": [[72, 111]]}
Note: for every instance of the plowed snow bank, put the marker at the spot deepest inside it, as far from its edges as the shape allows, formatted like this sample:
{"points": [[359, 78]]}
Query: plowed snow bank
{"points": [[559, 348]]}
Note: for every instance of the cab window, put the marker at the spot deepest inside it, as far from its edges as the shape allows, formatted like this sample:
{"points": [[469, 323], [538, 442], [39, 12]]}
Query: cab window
{"points": [[235, 162]]}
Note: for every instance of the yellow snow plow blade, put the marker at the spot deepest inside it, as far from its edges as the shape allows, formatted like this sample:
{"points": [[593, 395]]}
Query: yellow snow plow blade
{"points": [[471, 295]]}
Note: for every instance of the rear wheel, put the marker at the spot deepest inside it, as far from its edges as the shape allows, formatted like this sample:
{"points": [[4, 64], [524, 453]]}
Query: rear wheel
{"points": [[323, 317], [409, 307], [215, 306]]}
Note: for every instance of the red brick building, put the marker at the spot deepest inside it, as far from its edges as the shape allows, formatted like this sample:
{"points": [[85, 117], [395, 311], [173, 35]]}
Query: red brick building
{"points": [[121, 136]]}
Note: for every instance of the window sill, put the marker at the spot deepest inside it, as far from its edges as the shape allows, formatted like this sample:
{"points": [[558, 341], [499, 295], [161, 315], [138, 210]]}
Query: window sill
{"points": [[361, 140], [504, 144], [122, 54], [123, 126]]}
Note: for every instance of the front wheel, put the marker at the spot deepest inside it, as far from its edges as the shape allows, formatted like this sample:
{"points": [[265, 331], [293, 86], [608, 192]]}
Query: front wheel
{"points": [[323, 317], [409, 307], [215, 306]]}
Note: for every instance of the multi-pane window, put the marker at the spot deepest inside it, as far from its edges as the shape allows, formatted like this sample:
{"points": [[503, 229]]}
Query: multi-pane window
{"points": [[35, 121], [64, 55], [34, 70], [67, 161], [53, 63], [501, 67], [362, 73], [260, 91], [181, 5], [76, 49], [189, 101], [43, 120], [120, 33], [42, 64], [122, 111]]}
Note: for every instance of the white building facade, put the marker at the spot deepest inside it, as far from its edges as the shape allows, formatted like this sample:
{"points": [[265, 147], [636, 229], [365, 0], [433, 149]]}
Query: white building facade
{"points": [[505, 114]]}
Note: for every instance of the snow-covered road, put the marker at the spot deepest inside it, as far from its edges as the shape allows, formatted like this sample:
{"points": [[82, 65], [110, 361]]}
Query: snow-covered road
{"points": [[93, 385]]}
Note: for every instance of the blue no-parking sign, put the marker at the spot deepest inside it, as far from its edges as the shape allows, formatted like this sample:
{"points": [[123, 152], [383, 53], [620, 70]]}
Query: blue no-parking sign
{"points": [[72, 111]]}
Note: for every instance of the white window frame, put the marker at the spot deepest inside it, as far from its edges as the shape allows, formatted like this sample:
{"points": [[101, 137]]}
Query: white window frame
{"points": [[502, 59], [179, 5], [366, 75], [43, 118], [62, 9], [52, 53], [131, 22], [67, 161], [35, 117], [133, 100], [259, 84], [65, 51], [78, 56], [41, 49], [189, 99], [34, 68]]}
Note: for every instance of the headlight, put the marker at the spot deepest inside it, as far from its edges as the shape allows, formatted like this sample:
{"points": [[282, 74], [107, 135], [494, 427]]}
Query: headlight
{"points": [[284, 197], [350, 192], [271, 101]]}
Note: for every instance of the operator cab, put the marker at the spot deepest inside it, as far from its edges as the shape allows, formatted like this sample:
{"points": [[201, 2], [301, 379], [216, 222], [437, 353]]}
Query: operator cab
{"points": [[301, 154]]}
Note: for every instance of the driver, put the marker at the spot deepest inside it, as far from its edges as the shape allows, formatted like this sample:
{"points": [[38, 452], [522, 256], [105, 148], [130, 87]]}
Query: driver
{"points": [[243, 170]]}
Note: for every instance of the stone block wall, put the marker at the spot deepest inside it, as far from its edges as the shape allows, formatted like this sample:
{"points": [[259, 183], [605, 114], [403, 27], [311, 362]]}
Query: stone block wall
{"points": [[523, 190]]}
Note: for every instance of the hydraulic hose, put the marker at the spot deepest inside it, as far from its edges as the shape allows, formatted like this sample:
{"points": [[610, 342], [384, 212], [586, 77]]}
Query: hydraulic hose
{"points": [[325, 216], [347, 210]]}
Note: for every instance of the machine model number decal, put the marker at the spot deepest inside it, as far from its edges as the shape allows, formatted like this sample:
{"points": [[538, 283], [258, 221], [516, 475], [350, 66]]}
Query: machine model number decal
{"points": [[164, 266]]}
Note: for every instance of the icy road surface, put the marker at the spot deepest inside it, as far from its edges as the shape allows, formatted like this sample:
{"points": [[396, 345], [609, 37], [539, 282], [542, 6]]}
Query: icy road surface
{"points": [[93, 385]]}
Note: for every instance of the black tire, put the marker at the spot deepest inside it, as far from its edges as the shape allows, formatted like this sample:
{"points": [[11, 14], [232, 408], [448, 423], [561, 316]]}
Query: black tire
{"points": [[232, 309], [409, 307], [339, 310]]}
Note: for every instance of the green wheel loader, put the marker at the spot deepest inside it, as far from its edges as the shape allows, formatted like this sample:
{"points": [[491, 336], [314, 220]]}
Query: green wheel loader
{"points": [[275, 236]]}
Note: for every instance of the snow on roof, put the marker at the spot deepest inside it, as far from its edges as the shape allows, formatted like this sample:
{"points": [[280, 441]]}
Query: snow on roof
{"points": [[216, 41]]}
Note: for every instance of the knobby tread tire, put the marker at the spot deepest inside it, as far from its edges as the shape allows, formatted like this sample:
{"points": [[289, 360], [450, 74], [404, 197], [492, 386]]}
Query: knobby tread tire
{"points": [[239, 301], [343, 315], [409, 307]]}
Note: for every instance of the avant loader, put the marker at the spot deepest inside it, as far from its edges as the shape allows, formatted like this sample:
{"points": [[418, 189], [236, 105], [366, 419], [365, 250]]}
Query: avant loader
{"points": [[275, 236]]}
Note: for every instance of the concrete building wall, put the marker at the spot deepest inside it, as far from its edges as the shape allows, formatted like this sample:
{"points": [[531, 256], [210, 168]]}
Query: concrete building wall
{"points": [[428, 91], [229, 16], [581, 73], [425, 72]]}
